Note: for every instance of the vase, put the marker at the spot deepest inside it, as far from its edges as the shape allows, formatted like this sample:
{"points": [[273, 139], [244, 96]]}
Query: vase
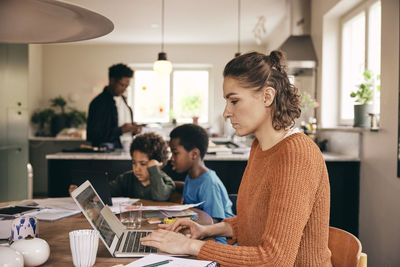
{"points": [[58, 123], [361, 115], [10, 258], [195, 120], [35, 251]]}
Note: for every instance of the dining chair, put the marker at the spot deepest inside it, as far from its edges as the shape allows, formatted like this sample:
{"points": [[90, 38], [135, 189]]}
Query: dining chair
{"points": [[176, 196], [346, 249], [233, 198]]}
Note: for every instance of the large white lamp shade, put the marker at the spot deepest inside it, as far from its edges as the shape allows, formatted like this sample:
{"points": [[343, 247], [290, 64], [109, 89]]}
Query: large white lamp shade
{"points": [[49, 21]]}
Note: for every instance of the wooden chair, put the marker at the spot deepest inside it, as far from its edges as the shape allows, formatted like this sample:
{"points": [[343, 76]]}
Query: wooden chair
{"points": [[233, 198], [345, 249], [177, 194]]}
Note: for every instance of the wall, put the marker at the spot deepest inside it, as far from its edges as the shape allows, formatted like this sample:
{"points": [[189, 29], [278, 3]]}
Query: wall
{"points": [[78, 69], [379, 186], [35, 80]]}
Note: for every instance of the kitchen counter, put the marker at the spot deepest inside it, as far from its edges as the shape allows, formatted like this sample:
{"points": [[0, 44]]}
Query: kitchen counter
{"points": [[119, 155]]}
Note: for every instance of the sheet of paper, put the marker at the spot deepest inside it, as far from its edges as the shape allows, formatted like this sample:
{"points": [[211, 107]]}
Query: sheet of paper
{"points": [[53, 214], [172, 208], [181, 213], [116, 200], [59, 203], [174, 261], [5, 228]]}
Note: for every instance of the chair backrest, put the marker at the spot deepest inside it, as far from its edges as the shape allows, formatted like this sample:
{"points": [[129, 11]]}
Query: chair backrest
{"points": [[233, 198], [176, 196], [345, 248]]}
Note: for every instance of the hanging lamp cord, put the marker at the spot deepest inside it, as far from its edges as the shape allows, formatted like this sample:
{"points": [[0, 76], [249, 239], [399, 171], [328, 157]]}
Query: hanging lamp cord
{"points": [[162, 26], [238, 50]]}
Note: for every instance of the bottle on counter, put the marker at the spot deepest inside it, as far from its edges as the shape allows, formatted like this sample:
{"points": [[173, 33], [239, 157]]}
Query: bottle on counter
{"points": [[313, 129]]}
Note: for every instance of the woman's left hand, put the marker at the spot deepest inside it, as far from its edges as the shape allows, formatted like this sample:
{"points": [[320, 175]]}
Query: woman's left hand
{"points": [[173, 243]]}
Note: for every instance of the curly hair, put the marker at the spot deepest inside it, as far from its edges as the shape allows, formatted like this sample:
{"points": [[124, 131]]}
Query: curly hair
{"points": [[256, 70], [151, 144], [191, 136], [118, 71]]}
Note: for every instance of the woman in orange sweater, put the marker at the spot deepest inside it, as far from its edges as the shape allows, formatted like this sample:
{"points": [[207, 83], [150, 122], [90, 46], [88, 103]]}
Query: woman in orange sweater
{"points": [[283, 200]]}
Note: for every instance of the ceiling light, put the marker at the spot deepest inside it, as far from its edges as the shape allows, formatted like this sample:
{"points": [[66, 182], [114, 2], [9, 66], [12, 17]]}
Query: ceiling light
{"points": [[162, 66], [49, 21], [238, 32]]}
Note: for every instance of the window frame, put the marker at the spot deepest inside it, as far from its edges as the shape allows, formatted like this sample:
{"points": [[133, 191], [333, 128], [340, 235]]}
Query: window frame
{"points": [[364, 7], [176, 67]]}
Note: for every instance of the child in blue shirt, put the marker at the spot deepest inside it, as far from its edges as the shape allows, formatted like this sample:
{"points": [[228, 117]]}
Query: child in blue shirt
{"points": [[189, 143]]}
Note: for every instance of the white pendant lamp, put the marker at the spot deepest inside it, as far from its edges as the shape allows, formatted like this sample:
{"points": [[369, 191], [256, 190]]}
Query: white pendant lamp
{"points": [[162, 66], [49, 21], [238, 45]]}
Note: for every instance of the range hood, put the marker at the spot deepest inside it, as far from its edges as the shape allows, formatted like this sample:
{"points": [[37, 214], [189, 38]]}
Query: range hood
{"points": [[298, 46]]}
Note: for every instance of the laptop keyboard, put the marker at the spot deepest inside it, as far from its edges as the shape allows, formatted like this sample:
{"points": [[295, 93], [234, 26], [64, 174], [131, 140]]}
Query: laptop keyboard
{"points": [[132, 243]]}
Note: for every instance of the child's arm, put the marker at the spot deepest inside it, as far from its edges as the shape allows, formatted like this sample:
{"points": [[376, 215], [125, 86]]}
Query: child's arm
{"points": [[161, 184], [116, 186]]}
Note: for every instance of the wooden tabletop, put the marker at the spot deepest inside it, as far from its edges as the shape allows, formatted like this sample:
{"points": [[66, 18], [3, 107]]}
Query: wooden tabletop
{"points": [[56, 234]]}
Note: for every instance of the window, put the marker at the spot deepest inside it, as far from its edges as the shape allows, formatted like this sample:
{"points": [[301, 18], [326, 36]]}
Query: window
{"points": [[159, 99], [360, 50]]}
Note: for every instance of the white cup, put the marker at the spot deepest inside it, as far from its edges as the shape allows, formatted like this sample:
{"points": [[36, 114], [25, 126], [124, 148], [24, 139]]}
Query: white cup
{"points": [[131, 214], [84, 244]]}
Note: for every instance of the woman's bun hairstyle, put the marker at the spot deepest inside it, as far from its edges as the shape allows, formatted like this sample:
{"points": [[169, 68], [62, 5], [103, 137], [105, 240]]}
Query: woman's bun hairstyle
{"points": [[255, 71]]}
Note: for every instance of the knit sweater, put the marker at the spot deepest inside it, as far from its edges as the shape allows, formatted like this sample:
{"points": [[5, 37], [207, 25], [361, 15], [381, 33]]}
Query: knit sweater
{"points": [[282, 209]]}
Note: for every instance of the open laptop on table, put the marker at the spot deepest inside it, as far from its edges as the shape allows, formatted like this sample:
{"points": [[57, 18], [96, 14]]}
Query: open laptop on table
{"points": [[119, 241]]}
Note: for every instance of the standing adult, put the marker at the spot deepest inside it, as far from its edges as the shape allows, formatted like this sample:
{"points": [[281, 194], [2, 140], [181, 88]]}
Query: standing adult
{"points": [[110, 118], [284, 196]]}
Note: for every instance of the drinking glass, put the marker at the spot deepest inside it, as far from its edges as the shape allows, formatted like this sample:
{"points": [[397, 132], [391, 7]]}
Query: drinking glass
{"points": [[131, 214]]}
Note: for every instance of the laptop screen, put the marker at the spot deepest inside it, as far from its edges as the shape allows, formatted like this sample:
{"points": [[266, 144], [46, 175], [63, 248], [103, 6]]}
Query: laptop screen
{"points": [[92, 207]]}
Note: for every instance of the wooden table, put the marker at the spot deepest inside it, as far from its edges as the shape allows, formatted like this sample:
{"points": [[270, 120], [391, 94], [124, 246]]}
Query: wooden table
{"points": [[56, 234]]}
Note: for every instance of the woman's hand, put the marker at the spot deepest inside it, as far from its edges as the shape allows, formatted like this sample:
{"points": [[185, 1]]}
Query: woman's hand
{"points": [[188, 227], [173, 243], [71, 188]]}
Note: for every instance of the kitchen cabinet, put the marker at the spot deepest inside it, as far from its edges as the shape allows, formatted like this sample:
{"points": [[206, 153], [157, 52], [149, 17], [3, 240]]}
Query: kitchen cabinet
{"points": [[14, 120], [39, 147]]}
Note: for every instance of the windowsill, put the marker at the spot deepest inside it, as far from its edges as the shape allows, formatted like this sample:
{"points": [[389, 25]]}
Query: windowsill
{"points": [[349, 129]]}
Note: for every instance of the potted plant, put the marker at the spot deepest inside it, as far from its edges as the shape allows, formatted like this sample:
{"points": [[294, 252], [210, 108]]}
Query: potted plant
{"points": [[42, 118], [363, 97], [59, 121], [308, 105], [76, 118], [191, 107]]}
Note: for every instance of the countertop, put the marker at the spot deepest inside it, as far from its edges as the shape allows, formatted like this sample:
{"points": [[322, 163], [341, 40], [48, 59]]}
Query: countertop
{"points": [[120, 155]]}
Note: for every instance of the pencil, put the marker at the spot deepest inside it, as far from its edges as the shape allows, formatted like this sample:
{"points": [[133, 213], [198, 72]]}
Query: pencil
{"points": [[157, 263]]}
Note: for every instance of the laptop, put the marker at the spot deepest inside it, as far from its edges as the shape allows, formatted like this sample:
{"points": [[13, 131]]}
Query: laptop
{"points": [[98, 179], [119, 241]]}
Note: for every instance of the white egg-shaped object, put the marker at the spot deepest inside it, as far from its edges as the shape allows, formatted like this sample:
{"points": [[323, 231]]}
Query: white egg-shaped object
{"points": [[35, 251], [10, 258]]}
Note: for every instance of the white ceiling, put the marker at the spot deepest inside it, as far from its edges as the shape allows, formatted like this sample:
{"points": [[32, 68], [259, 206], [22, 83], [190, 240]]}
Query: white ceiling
{"points": [[186, 21]]}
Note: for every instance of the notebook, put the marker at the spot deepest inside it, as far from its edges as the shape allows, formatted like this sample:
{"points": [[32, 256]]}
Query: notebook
{"points": [[119, 241], [158, 260]]}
